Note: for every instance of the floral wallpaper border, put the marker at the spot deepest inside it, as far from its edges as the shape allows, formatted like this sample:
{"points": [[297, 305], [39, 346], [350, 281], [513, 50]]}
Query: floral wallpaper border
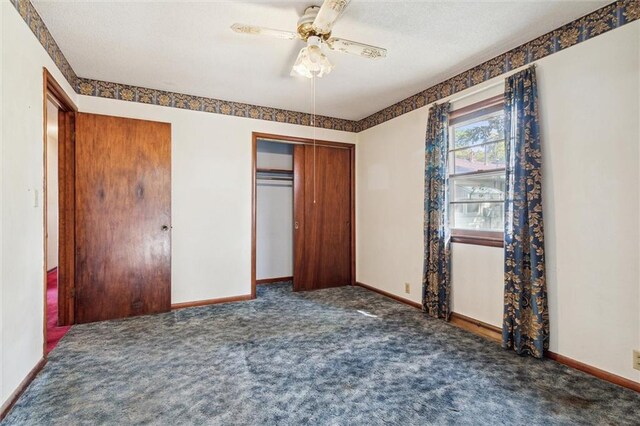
{"points": [[40, 30], [125, 92], [607, 18]]}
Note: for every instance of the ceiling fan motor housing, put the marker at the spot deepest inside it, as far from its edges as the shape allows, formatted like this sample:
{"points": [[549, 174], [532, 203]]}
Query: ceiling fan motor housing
{"points": [[305, 24]]}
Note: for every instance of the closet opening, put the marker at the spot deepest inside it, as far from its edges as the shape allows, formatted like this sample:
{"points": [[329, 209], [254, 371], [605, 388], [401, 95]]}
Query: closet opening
{"points": [[274, 208], [303, 211]]}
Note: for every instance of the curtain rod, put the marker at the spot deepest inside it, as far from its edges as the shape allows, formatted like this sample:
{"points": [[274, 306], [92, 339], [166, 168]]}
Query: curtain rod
{"points": [[492, 85], [475, 92]]}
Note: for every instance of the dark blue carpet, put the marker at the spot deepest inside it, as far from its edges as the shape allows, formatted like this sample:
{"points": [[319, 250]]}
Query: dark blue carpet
{"points": [[343, 356]]}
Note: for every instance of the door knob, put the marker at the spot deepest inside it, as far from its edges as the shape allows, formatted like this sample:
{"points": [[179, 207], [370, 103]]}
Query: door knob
{"points": [[296, 225], [165, 227]]}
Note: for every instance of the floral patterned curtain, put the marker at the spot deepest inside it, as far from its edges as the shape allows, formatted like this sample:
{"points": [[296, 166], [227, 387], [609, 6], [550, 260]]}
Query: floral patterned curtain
{"points": [[525, 326], [436, 283]]}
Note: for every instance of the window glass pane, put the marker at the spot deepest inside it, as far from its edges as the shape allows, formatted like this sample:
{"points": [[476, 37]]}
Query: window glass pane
{"points": [[495, 156], [469, 160], [485, 129], [477, 163], [480, 187], [481, 216], [478, 158]]}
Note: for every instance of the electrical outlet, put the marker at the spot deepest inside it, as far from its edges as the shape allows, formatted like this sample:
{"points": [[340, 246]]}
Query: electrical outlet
{"points": [[636, 360], [407, 288]]}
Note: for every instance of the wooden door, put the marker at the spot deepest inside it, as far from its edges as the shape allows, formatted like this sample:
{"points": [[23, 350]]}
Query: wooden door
{"points": [[66, 218], [322, 217], [123, 217]]}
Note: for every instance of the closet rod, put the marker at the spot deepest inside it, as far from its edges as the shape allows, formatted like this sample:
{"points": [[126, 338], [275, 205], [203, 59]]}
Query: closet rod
{"points": [[276, 178], [281, 171]]}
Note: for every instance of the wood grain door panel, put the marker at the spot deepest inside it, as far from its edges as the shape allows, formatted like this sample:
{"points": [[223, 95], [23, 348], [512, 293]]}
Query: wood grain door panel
{"points": [[322, 210], [123, 217]]}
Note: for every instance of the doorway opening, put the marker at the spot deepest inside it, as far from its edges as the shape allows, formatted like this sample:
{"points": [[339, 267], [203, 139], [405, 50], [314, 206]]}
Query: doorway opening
{"points": [[54, 331], [59, 128], [303, 213]]}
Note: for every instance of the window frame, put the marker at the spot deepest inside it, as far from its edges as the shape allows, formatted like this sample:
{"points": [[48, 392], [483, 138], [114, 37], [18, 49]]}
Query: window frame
{"points": [[478, 109]]}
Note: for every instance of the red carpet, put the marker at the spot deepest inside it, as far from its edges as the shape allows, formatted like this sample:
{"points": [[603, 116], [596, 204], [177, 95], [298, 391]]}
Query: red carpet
{"points": [[54, 333]]}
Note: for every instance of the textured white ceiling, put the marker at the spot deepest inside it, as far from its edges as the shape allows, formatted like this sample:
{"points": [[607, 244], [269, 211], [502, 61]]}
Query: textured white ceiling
{"points": [[187, 47]]}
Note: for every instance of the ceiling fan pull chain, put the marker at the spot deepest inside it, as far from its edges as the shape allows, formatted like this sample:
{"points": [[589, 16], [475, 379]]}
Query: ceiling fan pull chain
{"points": [[313, 85]]}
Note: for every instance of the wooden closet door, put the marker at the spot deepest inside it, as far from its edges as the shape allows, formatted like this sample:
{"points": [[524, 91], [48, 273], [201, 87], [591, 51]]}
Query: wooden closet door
{"points": [[322, 216], [123, 217]]}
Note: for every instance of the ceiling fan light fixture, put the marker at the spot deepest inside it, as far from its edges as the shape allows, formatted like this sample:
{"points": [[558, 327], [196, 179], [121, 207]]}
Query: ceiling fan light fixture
{"points": [[311, 61], [314, 28]]}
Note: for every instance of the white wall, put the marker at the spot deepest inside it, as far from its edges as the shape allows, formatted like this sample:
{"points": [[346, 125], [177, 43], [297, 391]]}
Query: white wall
{"points": [[3, 395], [591, 189], [22, 205], [389, 204], [476, 282], [52, 186], [211, 193], [274, 213], [590, 118]]}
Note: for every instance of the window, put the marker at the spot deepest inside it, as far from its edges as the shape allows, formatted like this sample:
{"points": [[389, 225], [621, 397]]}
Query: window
{"points": [[477, 173]]}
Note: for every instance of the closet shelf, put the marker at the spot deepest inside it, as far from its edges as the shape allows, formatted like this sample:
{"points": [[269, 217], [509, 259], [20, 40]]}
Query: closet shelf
{"points": [[279, 171]]}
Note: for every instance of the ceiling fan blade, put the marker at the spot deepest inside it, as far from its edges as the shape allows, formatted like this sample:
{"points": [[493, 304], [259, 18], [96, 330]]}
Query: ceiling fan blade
{"points": [[355, 48], [329, 12], [254, 30]]}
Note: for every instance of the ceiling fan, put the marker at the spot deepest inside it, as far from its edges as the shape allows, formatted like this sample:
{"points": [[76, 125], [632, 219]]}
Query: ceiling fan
{"points": [[314, 28]]}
